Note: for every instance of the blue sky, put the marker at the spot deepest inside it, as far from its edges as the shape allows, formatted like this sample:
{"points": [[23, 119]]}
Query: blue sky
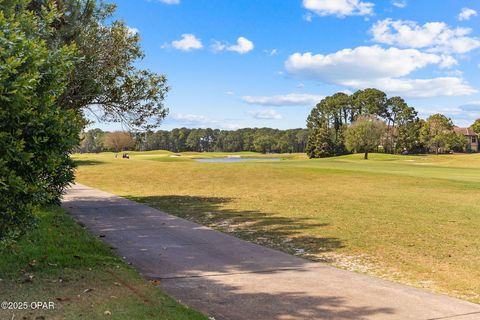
{"points": [[255, 63]]}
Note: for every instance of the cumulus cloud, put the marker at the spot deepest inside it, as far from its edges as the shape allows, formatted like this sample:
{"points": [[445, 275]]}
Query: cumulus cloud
{"points": [[292, 99], [201, 121], [466, 14], [434, 36], [242, 46], [421, 88], [265, 114], [385, 69], [367, 63], [340, 8], [188, 43], [463, 115]]}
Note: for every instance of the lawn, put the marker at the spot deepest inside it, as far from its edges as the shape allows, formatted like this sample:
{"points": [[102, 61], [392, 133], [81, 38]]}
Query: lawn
{"points": [[61, 263], [411, 219]]}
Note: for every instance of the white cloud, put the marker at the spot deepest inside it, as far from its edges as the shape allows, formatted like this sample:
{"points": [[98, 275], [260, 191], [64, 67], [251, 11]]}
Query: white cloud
{"points": [[201, 121], [435, 36], [463, 115], [187, 43], [421, 88], [170, 1], [366, 63], [243, 46], [292, 99], [385, 69], [400, 3], [340, 8], [265, 114], [230, 93], [466, 14]]}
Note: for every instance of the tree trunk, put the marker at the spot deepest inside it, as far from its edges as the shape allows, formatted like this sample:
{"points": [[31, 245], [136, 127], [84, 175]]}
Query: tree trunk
{"points": [[365, 157]]}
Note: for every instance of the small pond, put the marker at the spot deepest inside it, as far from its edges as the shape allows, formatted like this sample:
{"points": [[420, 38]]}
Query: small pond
{"points": [[237, 159]]}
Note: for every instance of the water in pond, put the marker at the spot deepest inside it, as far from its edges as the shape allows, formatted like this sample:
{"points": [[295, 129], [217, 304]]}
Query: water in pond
{"points": [[236, 159]]}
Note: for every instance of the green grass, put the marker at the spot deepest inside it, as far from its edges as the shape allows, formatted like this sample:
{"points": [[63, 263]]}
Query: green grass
{"points": [[61, 262], [412, 219]]}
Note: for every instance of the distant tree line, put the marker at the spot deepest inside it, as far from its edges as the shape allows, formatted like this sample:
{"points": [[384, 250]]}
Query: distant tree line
{"points": [[368, 121], [264, 140]]}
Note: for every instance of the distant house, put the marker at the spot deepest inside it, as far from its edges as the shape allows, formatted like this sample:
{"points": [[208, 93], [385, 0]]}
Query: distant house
{"points": [[471, 136]]}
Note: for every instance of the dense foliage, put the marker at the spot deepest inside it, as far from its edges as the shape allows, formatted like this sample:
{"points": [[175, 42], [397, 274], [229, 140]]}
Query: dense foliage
{"points": [[59, 60], [437, 135], [365, 134], [36, 134], [404, 131], [106, 83], [263, 140], [476, 126]]}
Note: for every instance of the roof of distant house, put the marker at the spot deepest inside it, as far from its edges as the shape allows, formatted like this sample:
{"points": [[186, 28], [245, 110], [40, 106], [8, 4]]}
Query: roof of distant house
{"points": [[465, 131]]}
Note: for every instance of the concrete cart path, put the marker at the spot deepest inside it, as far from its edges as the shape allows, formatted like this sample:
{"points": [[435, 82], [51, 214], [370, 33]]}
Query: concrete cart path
{"points": [[229, 278]]}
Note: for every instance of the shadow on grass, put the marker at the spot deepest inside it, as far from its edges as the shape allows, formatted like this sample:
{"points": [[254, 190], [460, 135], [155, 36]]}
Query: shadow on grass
{"points": [[220, 276], [229, 298], [285, 234], [82, 163]]}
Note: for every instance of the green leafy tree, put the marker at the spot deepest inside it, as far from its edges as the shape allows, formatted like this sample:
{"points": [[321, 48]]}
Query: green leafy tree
{"points": [[369, 102], [408, 137], [264, 142], [437, 133], [91, 141], [335, 113], [402, 126], [302, 139], [320, 143], [365, 135], [106, 81], [458, 143], [35, 133], [476, 126]]}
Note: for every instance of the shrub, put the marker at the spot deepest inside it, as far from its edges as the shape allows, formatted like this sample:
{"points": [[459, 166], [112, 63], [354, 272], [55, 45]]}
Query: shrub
{"points": [[35, 133]]}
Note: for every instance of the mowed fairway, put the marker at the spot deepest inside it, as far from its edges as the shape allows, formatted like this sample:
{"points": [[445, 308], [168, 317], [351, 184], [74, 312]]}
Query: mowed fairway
{"points": [[413, 219]]}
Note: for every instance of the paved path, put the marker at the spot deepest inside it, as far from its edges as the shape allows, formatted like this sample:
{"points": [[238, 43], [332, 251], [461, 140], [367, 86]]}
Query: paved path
{"points": [[228, 278]]}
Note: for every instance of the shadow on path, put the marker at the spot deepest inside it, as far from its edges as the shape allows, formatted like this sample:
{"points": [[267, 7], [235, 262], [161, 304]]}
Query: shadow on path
{"points": [[228, 278]]}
